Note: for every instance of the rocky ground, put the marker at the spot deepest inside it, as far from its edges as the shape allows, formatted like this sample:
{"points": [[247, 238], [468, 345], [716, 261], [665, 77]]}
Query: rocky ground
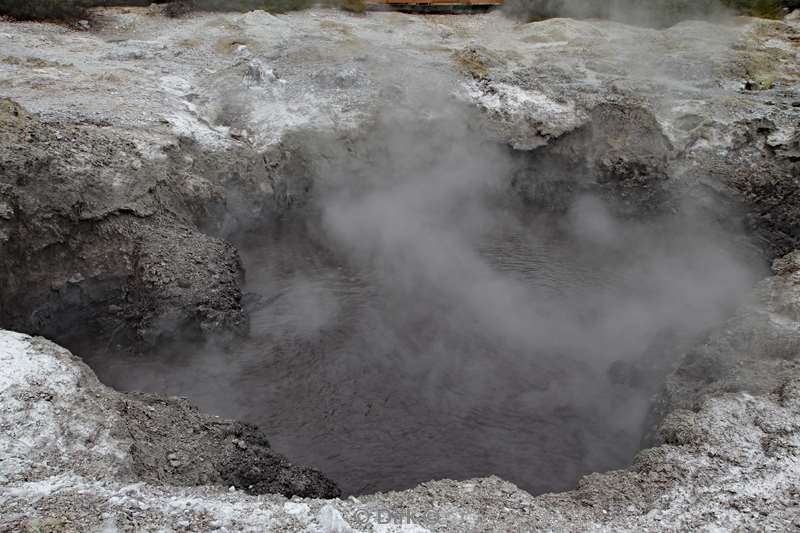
{"points": [[50, 398], [132, 150], [77, 456]]}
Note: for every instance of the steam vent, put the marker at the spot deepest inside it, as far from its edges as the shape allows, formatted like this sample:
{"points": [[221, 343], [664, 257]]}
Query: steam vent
{"points": [[383, 266]]}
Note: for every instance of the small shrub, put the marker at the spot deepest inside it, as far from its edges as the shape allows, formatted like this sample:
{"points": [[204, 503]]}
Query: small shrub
{"points": [[760, 8], [647, 12], [43, 9], [70, 10], [178, 9], [64, 10], [271, 6], [354, 6]]}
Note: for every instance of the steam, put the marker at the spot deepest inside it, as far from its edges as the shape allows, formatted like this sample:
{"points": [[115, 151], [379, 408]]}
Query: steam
{"points": [[428, 200], [655, 13], [504, 312], [416, 321]]}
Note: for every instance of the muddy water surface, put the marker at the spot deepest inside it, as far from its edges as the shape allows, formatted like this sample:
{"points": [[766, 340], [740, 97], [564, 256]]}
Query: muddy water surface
{"points": [[383, 384]]}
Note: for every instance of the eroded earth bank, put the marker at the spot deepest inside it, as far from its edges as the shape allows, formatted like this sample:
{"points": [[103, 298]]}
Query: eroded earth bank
{"points": [[296, 220]]}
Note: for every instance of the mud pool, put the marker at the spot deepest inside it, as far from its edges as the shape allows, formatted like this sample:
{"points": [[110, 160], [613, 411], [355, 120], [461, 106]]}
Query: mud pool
{"points": [[415, 318], [384, 378]]}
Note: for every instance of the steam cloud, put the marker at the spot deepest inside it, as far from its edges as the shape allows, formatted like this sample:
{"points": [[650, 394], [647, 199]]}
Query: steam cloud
{"points": [[657, 13], [427, 209], [488, 315], [417, 322]]}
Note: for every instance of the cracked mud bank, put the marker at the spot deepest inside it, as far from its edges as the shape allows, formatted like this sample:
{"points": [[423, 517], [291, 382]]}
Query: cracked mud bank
{"points": [[135, 155]]}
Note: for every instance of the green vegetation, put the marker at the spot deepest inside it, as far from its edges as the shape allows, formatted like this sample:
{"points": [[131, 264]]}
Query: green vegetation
{"points": [[77, 9], [271, 6], [761, 8], [41, 9], [58, 9], [475, 61], [646, 12], [354, 6], [664, 9]]}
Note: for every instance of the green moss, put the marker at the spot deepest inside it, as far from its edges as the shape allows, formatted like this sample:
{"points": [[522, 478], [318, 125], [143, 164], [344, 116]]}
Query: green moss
{"points": [[471, 63], [46, 525], [354, 6], [33, 62], [329, 25], [191, 43]]}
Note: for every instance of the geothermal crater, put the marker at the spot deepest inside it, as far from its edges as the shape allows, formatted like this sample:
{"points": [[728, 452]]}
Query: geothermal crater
{"points": [[407, 249], [383, 382], [420, 317]]}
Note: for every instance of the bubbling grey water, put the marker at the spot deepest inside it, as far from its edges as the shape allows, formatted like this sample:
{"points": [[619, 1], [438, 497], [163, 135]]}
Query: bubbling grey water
{"points": [[383, 387], [414, 320]]}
